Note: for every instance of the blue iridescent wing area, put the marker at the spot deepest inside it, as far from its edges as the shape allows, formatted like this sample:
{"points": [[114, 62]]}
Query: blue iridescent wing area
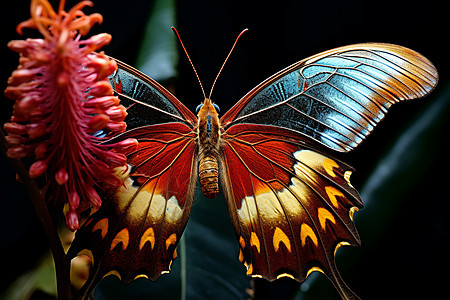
{"points": [[147, 102], [337, 97]]}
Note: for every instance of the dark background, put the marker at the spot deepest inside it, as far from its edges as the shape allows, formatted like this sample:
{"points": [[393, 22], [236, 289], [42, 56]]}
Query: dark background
{"points": [[409, 258]]}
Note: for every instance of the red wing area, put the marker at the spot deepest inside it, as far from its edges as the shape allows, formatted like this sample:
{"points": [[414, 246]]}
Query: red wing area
{"points": [[163, 162], [135, 233], [291, 206]]}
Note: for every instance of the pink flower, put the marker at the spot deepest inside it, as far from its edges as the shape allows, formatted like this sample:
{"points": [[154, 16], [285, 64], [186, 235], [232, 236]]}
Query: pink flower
{"points": [[62, 97]]}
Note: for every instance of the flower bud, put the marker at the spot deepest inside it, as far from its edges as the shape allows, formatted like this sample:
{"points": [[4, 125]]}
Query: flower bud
{"points": [[102, 102], [15, 140], [74, 200], [117, 126], [98, 41], [40, 149], [98, 122], [18, 45], [102, 66], [37, 168], [117, 113], [126, 146], [36, 130], [72, 220], [116, 159], [93, 196], [26, 105], [15, 128], [61, 176], [17, 152], [101, 88], [21, 75], [14, 92]]}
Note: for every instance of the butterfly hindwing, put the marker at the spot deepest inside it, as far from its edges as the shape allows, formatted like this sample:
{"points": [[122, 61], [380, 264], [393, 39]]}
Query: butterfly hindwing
{"points": [[291, 206], [337, 97]]}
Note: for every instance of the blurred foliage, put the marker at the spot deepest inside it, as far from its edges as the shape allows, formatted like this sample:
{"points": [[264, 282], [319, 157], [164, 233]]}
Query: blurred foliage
{"points": [[38, 281], [158, 55]]}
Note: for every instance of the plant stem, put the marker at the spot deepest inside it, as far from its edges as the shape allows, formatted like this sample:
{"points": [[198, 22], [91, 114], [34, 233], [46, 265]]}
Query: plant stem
{"points": [[62, 265]]}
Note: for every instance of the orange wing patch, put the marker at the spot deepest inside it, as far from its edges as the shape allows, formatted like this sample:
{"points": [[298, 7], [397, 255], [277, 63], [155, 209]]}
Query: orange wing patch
{"points": [[148, 236], [171, 240], [325, 215], [101, 225], [121, 237], [307, 232], [254, 241], [280, 237]]}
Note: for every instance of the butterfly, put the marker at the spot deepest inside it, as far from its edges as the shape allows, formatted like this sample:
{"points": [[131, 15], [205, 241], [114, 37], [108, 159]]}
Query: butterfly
{"points": [[290, 201]]}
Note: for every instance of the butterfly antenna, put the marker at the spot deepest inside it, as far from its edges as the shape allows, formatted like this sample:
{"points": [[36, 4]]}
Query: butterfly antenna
{"points": [[226, 59], [195, 71]]}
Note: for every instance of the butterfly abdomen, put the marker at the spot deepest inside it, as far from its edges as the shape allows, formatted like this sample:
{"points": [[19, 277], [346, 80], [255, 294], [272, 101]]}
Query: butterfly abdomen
{"points": [[209, 176]]}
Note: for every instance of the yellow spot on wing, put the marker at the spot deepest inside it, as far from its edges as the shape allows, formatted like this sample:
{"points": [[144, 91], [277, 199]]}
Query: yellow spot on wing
{"points": [[280, 237], [148, 236], [332, 192], [314, 269], [347, 175], [249, 269], [325, 215], [102, 225], [113, 272], [241, 256], [171, 240], [241, 242], [141, 276], [122, 237], [328, 165], [340, 245], [285, 275], [352, 211], [306, 231], [254, 241]]}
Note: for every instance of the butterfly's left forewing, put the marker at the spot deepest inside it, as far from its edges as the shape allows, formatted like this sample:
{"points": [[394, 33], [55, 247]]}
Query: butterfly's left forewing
{"points": [[291, 206], [147, 102]]}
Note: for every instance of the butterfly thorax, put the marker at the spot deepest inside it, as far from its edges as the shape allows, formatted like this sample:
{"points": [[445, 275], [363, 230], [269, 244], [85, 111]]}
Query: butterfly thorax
{"points": [[208, 143]]}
